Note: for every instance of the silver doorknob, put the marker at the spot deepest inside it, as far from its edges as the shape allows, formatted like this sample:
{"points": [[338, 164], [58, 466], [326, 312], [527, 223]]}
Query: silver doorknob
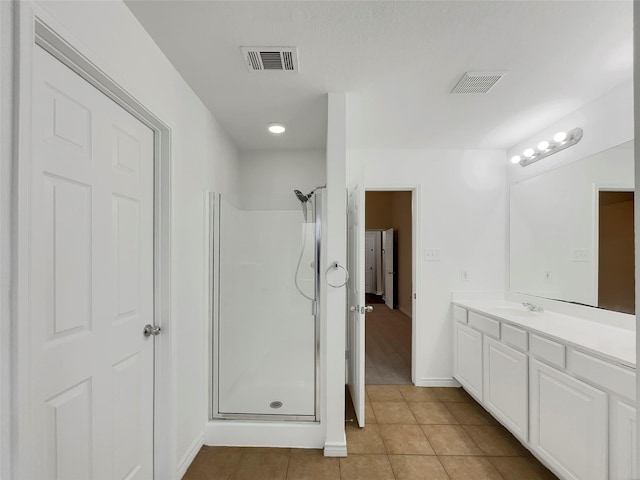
{"points": [[352, 308], [151, 330], [368, 309]]}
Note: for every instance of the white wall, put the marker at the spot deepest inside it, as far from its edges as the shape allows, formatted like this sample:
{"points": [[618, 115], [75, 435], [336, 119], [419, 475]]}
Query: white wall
{"points": [[203, 158], [463, 212], [606, 122], [6, 132], [554, 214], [269, 177]]}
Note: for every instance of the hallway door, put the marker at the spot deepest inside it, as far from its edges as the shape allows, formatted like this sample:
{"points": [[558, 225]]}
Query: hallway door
{"points": [[389, 268], [370, 262], [90, 373], [356, 300]]}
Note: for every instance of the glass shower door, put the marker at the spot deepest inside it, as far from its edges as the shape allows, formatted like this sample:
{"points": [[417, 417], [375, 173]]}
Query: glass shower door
{"points": [[265, 334]]}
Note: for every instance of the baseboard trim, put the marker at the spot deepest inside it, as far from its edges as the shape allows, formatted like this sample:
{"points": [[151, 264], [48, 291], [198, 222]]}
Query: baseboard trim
{"points": [[437, 382], [335, 449], [405, 311], [190, 455], [242, 433]]}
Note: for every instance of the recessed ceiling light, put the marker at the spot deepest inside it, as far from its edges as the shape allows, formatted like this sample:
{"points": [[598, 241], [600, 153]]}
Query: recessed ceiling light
{"points": [[276, 128]]}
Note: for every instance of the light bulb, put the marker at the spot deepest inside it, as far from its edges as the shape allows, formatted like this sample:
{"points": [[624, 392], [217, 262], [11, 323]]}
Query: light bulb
{"points": [[560, 137], [529, 152], [515, 159], [277, 128], [543, 145]]}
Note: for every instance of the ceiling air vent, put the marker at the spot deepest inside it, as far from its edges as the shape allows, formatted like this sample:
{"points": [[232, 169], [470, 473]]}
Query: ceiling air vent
{"points": [[477, 82], [259, 59]]}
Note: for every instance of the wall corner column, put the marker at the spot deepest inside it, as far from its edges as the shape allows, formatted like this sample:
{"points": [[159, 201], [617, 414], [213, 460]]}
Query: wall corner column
{"points": [[333, 300]]}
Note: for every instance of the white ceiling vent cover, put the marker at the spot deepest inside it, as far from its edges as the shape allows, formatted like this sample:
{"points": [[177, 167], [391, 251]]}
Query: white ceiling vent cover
{"points": [[260, 59], [477, 82]]}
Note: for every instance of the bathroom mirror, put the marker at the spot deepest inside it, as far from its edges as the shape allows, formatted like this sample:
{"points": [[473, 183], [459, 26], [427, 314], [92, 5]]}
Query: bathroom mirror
{"points": [[571, 232]]}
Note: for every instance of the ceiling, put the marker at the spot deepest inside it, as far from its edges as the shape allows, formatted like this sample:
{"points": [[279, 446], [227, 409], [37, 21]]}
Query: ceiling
{"points": [[397, 61]]}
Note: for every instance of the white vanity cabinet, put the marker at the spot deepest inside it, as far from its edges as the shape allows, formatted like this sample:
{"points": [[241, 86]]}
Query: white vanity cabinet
{"points": [[623, 443], [505, 386], [570, 404], [568, 423], [467, 359]]}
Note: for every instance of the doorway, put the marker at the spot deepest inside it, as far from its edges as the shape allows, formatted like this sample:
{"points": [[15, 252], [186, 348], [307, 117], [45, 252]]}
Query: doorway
{"points": [[389, 252], [616, 253]]}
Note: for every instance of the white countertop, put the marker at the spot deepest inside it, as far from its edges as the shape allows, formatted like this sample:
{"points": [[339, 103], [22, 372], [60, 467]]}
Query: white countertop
{"points": [[613, 343]]}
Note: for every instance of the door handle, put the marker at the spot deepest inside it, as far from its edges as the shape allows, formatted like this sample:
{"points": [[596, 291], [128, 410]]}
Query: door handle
{"points": [[150, 330], [362, 310]]}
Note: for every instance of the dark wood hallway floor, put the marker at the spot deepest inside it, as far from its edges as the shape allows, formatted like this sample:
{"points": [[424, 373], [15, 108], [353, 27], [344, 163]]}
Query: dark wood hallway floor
{"points": [[387, 347]]}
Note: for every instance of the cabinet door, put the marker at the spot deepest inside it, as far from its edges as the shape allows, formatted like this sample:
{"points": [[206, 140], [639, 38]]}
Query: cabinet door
{"points": [[506, 387], [568, 423], [623, 442], [467, 359]]}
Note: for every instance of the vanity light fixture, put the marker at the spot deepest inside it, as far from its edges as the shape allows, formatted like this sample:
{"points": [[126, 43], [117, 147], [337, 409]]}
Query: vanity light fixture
{"points": [[561, 140], [276, 128]]}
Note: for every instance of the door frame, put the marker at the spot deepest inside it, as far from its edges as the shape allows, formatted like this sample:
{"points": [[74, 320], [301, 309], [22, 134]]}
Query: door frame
{"points": [[36, 28], [415, 264], [595, 243]]}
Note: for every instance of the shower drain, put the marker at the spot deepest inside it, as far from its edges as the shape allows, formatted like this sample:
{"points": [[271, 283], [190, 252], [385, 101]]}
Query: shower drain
{"points": [[275, 404]]}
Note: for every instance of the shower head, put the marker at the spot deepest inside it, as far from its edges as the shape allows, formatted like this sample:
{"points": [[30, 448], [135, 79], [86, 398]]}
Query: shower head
{"points": [[301, 196]]}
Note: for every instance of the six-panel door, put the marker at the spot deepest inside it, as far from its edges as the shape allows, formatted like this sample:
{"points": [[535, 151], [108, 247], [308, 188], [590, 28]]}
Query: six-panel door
{"points": [[91, 268]]}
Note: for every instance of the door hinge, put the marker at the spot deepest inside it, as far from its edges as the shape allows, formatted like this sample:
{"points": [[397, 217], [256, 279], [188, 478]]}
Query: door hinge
{"points": [[347, 355]]}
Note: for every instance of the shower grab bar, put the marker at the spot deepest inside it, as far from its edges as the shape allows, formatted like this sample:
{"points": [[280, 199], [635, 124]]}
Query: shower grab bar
{"points": [[336, 266]]}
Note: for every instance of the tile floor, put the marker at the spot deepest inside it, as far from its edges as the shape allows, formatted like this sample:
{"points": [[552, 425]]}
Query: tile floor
{"points": [[411, 434], [387, 347]]}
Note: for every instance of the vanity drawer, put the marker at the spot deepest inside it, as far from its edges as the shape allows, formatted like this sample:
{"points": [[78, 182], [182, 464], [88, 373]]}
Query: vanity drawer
{"points": [[484, 324], [612, 377], [552, 352], [459, 314], [514, 336]]}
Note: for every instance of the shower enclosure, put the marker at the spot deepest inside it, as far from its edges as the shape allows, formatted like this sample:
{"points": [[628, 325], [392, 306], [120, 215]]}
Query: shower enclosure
{"points": [[265, 315]]}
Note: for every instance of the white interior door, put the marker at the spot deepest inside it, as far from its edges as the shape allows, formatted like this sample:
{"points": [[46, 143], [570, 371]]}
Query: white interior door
{"points": [[355, 300], [389, 267], [91, 266], [370, 262]]}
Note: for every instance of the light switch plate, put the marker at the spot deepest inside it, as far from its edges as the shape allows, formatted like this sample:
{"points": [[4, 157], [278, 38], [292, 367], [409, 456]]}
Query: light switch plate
{"points": [[580, 255], [432, 255]]}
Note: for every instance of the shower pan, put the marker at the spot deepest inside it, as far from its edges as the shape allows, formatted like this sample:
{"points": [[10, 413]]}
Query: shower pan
{"points": [[266, 328]]}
